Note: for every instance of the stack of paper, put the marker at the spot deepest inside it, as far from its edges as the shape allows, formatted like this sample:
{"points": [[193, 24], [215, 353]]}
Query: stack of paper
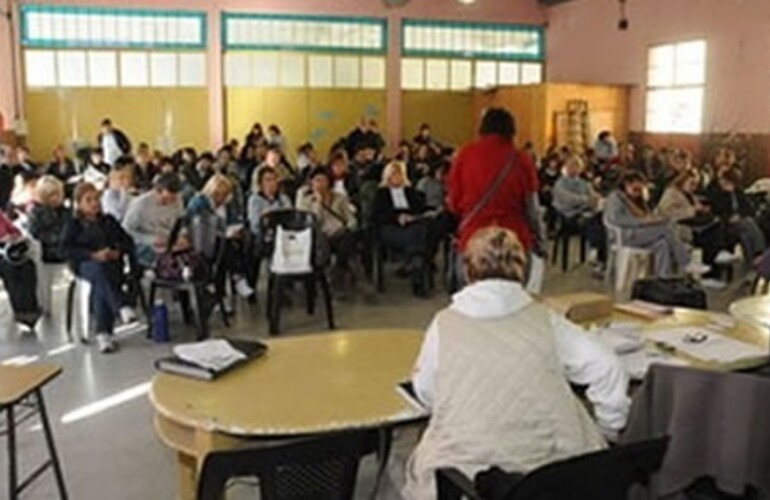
{"points": [[707, 345], [623, 338], [214, 355]]}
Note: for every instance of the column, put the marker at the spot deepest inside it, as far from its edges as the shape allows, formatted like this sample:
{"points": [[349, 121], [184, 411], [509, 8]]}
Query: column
{"points": [[393, 80], [215, 78]]}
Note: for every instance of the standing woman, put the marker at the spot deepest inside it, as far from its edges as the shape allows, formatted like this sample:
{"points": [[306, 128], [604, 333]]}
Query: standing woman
{"points": [[492, 182], [96, 244]]}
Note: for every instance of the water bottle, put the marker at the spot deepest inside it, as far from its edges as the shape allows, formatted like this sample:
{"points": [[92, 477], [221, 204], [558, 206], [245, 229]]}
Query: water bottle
{"points": [[160, 332]]}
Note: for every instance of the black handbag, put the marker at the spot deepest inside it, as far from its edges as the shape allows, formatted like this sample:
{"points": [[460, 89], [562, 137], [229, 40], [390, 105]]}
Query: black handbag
{"points": [[674, 292]]}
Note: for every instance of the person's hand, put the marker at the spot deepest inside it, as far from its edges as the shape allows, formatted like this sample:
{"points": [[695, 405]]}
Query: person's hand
{"points": [[182, 243], [734, 219], [159, 242], [113, 254], [102, 255], [405, 219]]}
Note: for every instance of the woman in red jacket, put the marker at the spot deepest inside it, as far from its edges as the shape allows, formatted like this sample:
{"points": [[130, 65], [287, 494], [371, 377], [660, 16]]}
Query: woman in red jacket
{"points": [[493, 183]]}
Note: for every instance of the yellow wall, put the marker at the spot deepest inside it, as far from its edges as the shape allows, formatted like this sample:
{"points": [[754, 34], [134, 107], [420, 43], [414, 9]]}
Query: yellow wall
{"points": [[450, 115], [164, 118], [319, 115]]}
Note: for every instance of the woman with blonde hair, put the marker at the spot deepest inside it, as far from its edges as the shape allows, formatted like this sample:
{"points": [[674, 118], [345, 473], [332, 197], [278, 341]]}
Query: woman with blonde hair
{"points": [[397, 221], [211, 204], [48, 217], [96, 245], [495, 368]]}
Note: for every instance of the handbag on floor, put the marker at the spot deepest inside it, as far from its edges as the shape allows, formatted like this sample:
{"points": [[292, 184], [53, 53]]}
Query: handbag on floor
{"points": [[674, 292]]}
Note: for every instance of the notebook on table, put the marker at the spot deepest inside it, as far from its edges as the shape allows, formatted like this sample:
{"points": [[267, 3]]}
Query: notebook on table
{"points": [[210, 359]]}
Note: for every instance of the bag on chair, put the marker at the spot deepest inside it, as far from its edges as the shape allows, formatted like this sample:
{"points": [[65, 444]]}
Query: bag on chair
{"points": [[674, 292], [20, 277], [293, 251], [180, 265]]}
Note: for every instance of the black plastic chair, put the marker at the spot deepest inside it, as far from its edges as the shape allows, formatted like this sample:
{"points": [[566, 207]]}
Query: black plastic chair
{"points": [[567, 228], [309, 469], [294, 220], [602, 475], [199, 292]]}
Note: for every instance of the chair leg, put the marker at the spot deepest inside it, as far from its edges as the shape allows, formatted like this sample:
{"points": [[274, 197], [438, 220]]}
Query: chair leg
{"points": [[555, 251], [13, 477], [583, 244], [274, 311], [327, 293], [379, 269], [70, 311], [201, 312], [310, 292], [54, 457], [565, 240]]}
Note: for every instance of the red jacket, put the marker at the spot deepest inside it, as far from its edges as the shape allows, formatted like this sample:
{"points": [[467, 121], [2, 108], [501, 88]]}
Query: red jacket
{"points": [[474, 170]]}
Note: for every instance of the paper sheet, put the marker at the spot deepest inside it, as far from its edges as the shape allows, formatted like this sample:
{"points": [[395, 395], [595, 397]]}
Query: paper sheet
{"points": [[638, 363], [212, 354], [716, 347]]}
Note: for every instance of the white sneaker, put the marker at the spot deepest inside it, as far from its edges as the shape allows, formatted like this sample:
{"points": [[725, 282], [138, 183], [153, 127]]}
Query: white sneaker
{"points": [[243, 289], [713, 284], [725, 257], [105, 343], [593, 256], [127, 315], [696, 268]]}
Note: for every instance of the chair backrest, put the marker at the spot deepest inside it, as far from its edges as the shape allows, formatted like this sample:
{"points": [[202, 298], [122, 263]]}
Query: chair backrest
{"points": [[602, 475], [614, 233], [309, 469], [295, 220]]}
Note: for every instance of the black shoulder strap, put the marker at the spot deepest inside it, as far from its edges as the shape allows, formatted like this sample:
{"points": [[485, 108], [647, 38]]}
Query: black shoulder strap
{"points": [[489, 193]]}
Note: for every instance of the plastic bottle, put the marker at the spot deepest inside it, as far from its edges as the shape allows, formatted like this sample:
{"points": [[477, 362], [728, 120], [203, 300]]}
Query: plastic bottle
{"points": [[160, 331]]}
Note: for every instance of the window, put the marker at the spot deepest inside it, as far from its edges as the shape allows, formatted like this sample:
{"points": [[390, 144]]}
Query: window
{"points": [[85, 27], [299, 70], [676, 76], [462, 75], [304, 33]]}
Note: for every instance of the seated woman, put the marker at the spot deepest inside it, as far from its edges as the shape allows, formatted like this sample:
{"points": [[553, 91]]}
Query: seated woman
{"points": [[96, 244], [120, 189], [48, 217], [627, 210], [336, 220], [486, 409], [680, 204], [266, 197], [576, 201], [735, 213], [396, 216], [211, 204]]}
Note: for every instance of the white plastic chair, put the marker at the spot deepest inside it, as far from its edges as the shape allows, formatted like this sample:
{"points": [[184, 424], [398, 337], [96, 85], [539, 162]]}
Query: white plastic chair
{"points": [[628, 263], [79, 309]]}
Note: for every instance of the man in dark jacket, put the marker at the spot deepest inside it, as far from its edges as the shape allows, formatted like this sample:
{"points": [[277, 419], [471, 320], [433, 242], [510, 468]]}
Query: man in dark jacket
{"points": [[113, 142]]}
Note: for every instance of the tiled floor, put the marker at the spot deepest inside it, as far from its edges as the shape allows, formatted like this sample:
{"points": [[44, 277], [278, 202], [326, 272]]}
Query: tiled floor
{"points": [[99, 407]]}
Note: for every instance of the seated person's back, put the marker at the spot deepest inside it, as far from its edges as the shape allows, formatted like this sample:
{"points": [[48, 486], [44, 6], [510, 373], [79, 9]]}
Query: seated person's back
{"points": [[494, 368]]}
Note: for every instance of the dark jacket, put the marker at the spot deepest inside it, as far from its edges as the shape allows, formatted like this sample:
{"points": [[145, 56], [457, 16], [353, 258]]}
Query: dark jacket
{"points": [[385, 214], [81, 238], [123, 143], [62, 171], [46, 224], [724, 204]]}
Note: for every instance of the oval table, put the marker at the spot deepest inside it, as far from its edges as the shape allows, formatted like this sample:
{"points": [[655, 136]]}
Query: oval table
{"points": [[303, 385], [755, 310]]}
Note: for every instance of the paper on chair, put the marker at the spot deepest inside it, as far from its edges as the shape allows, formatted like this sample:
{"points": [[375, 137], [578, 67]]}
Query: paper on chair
{"points": [[211, 354], [715, 347]]}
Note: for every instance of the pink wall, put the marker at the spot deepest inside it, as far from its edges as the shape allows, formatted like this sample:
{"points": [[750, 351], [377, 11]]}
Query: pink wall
{"points": [[7, 107], [518, 11], [584, 45]]}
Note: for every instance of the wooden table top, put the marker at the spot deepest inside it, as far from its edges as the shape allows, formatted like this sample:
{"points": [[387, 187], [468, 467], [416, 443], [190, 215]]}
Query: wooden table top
{"points": [[17, 382], [753, 309], [303, 385]]}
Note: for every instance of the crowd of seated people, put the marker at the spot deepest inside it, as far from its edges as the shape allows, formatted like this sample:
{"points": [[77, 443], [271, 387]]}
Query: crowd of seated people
{"points": [[360, 197], [660, 200]]}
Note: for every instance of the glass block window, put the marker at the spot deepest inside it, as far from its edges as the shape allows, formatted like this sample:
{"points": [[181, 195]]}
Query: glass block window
{"points": [[44, 26], [447, 39], [462, 75], [242, 31]]}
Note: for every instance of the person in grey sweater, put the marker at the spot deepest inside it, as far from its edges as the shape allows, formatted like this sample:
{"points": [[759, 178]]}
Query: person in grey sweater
{"points": [[627, 212], [151, 217], [572, 194]]}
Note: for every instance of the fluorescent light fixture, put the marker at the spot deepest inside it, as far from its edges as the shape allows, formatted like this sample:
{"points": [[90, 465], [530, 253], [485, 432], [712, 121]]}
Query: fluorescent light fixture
{"points": [[467, 2]]}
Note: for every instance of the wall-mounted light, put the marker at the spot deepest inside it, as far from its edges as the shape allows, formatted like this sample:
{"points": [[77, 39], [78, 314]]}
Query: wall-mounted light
{"points": [[466, 2]]}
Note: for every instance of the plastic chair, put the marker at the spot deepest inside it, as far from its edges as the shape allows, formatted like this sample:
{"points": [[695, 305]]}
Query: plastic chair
{"points": [[628, 263], [316, 468], [294, 220], [602, 475], [567, 228]]}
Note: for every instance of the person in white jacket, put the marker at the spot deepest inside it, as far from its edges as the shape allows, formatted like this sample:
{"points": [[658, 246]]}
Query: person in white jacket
{"points": [[494, 370]]}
